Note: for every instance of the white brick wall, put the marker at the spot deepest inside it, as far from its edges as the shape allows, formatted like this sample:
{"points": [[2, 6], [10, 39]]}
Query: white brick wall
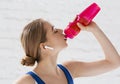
{"points": [[14, 14]]}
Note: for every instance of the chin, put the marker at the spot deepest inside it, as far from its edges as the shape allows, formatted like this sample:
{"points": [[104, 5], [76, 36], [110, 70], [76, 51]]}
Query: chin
{"points": [[65, 45]]}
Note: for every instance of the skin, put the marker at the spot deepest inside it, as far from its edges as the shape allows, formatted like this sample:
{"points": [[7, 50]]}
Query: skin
{"points": [[47, 68]]}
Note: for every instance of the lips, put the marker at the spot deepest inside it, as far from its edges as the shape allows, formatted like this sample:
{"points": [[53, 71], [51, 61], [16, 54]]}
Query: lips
{"points": [[65, 38]]}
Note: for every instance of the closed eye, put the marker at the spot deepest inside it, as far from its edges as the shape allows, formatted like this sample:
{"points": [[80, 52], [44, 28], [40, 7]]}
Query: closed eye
{"points": [[55, 30]]}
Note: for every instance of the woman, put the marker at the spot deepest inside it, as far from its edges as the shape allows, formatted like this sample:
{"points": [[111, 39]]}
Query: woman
{"points": [[42, 44]]}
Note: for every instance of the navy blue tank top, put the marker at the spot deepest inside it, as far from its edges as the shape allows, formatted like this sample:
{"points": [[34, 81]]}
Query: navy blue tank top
{"points": [[40, 81]]}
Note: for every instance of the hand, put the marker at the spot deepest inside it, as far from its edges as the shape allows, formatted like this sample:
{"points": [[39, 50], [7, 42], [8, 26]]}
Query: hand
{"points": [[91, 27]]}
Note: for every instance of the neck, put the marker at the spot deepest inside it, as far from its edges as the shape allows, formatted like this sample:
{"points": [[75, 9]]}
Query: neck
{"points": [[47, 66]]}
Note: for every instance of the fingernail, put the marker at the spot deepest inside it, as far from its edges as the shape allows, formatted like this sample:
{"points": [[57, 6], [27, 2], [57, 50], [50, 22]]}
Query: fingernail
{"points": [[77, 23]]}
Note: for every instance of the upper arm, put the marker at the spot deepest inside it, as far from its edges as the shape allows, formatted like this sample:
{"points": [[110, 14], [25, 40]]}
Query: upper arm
{"points": [[80, 69], [26, 79]]}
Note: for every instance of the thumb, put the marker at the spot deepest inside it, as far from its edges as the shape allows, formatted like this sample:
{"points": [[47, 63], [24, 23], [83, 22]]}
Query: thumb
{"points": [[82, 27]]}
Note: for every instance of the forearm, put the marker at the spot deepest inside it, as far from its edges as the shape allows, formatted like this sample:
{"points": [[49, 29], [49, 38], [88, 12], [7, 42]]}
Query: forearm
{"points": [[109, 50], [112, 58]]}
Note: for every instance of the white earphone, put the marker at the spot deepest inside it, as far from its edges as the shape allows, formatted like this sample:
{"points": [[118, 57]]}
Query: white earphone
{"points": [[49, 47]]}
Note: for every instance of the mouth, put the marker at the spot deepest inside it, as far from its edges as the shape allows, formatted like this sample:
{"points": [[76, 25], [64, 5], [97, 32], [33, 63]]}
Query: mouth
{"points": [[65, 38]]}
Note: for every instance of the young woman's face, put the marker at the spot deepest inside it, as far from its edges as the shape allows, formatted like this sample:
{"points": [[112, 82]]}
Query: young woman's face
{"points": [[55, 37]]}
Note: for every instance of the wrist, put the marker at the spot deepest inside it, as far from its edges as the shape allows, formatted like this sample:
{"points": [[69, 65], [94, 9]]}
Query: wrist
{"points": [[94, 29]]}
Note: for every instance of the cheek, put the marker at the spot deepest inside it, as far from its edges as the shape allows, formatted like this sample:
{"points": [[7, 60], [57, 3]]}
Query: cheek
{"points": [[56, 40]]}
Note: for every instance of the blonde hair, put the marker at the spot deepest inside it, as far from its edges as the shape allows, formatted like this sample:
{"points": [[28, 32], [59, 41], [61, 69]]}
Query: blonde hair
{"points": [[33, 34]]}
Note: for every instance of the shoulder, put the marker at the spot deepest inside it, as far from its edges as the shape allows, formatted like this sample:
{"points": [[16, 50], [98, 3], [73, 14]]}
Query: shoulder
{"points": [[26, 79], [71, 64], [73, 67]]}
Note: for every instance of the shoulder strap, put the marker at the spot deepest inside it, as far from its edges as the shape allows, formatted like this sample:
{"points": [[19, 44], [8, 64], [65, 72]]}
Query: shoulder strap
{"points": [[35, 77], [67, 74]]}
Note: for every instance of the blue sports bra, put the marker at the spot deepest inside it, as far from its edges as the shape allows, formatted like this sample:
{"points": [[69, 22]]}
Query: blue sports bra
{"points": [[40, 81]]}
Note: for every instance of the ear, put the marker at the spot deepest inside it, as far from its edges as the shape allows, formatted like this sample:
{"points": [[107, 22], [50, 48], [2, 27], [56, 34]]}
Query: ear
{"points": [[42, 46]]}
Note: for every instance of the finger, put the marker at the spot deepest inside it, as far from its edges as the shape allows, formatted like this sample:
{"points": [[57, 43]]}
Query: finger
{"points": [[81, 26]]}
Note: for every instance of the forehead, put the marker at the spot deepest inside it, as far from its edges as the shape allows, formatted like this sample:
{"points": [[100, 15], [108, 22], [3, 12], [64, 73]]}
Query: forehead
{"points": [[48, 28], [47, 25]]}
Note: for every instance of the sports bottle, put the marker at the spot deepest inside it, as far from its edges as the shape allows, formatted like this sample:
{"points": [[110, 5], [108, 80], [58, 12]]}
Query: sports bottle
{"points": [[85, 17]]}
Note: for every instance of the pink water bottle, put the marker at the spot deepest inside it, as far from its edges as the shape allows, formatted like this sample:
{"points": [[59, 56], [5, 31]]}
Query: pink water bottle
{"points": [[85, 17]]}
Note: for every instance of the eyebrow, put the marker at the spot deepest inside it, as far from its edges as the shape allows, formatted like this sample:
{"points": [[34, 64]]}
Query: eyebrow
{"points": [[52, 28]]}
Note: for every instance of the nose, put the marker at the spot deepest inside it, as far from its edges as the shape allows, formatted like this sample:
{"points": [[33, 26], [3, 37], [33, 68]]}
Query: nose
{"points": [[61, 31]]}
